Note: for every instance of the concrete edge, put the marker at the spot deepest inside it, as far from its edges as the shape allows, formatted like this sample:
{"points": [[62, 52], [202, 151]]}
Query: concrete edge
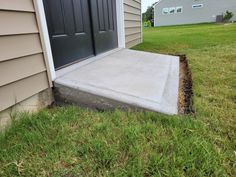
{"points": [[68, 93], [171, 94]]}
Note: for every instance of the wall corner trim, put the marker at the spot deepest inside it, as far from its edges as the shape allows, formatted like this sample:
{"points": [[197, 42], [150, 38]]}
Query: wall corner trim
{"points": [[45, 40], [120, 23]]}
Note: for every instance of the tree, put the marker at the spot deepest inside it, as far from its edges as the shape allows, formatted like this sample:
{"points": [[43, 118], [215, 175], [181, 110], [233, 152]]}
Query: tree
{"points": [[149, 14], [227, 16]]}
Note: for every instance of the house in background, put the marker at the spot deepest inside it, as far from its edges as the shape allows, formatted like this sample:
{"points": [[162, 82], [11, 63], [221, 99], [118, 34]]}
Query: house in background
{"points": [[33, 46], [178, 12]]}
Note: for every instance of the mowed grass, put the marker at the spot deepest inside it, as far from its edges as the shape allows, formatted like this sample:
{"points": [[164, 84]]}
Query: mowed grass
{"points": [[71, 141]]}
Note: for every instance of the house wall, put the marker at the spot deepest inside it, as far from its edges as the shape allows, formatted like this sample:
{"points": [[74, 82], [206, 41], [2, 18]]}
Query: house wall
{"points": [[23, 72], [133, 22], [207, 13], [31, 104]]}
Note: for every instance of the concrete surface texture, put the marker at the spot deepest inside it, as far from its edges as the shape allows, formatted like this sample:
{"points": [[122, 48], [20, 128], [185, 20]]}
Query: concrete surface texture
{"points": [[139, 79]]}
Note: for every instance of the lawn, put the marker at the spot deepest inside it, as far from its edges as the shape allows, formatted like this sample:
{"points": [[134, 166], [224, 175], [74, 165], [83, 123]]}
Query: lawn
{"points": [[71, 141]]}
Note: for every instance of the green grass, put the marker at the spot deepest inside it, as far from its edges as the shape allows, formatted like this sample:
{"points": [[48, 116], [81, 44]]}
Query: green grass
{"points": [[70, 141]]}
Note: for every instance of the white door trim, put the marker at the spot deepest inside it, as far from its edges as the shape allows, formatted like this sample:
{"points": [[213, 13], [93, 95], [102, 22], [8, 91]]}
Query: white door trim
{"points": [[45, 40], [120, 23], [42, 23]]}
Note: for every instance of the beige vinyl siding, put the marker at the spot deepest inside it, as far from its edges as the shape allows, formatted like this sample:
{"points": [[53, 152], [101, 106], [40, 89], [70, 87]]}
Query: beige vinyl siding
{"points": [[23, 71], [18, 91], [14, 46], [17, 5], [20, 23], [133, 23], [22, 67]]}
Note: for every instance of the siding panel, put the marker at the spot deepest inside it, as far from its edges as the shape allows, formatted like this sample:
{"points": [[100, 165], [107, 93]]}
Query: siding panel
{"points": [[130, 24], [17, 5], [132, 10], [22, 65], [133, 3], [129, 31], [21, 68], [133, 43], [133, 23], [132, 37], [18, 46], [129, 16], [17, 23], [18, 91]]}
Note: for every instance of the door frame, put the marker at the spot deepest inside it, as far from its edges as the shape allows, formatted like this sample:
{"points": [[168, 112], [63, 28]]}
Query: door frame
{"points": [[45, 40]]}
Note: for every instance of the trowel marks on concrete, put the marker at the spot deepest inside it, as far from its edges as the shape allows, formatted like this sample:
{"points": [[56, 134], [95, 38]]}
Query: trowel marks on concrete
{"points": [[138, 79]]}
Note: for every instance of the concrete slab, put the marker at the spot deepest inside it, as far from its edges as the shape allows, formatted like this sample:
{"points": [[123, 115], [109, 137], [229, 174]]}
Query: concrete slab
{"points": [[135, 78]]}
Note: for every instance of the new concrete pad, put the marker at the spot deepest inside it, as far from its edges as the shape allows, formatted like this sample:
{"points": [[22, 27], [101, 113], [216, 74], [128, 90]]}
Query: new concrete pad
{"points": [[138, 79]]}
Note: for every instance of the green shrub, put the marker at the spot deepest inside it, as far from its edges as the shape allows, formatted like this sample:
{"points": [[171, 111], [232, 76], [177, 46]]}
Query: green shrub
{"points": [[227, 16], [147, 24]]}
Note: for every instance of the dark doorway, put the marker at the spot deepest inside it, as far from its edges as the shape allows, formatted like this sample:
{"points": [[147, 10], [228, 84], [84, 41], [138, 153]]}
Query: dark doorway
{"points": [[104, 24], [79, 29]]}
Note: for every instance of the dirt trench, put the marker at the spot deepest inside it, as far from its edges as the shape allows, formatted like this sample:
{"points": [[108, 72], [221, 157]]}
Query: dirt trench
{"points": [[185, 103]]}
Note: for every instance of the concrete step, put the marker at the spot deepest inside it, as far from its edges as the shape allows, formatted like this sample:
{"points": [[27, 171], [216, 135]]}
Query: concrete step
{"points": [[123, 79]]}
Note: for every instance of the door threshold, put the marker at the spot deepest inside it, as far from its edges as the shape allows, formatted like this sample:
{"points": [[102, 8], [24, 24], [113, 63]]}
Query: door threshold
{"points": [[61, 72], [74, 62]]}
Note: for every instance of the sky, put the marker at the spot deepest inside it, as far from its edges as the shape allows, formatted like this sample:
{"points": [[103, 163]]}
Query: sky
{"points": [[146, 3]]}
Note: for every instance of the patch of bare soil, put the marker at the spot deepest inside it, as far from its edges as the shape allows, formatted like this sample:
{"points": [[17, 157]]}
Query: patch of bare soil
{"points": [[185, 103]]}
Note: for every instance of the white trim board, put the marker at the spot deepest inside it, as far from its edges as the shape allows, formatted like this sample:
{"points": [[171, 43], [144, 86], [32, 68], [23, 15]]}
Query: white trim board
{"points": [[45, 40], [42, 23], [120, 23]]}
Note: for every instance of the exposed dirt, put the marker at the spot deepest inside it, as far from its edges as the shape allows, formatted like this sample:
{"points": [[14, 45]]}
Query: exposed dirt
{"points": [[185, 87]]}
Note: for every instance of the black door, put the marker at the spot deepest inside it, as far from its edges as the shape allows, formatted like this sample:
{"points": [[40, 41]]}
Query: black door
{"points": [[79, 29], [69, 30], [104, 24]]}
